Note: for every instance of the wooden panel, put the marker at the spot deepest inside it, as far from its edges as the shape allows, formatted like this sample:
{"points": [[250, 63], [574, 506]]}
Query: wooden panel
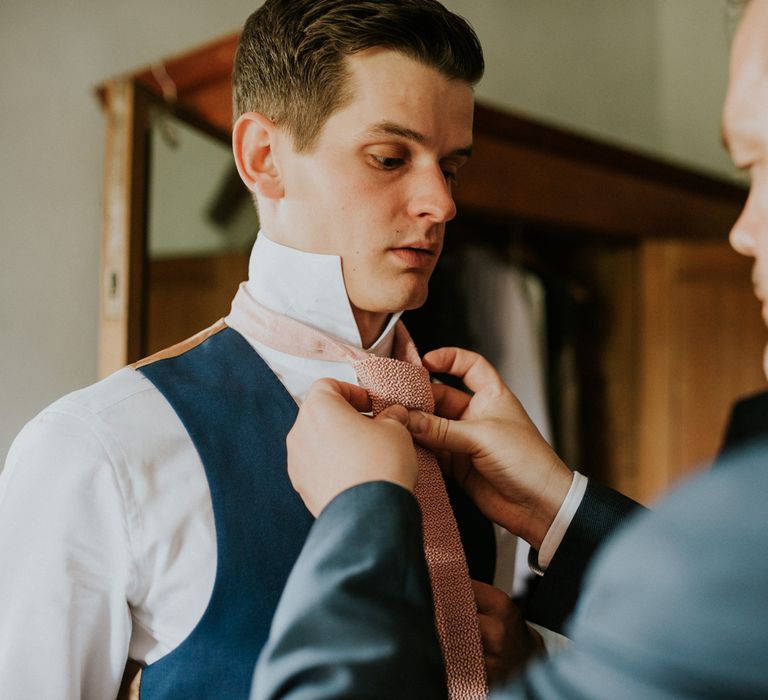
{"points": [[701, 348], [207, 68], [719, 343], [654, 332], [506, 178], [214, 105], [189, 294], [610, 420]]}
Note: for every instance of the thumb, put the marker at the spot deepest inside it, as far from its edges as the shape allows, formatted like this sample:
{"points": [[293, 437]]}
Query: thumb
{"points": [[394, 412], [440, 434]]}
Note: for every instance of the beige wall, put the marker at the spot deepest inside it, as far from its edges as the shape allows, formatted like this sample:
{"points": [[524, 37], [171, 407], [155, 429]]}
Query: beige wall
{"points": [[52, 54], [649, 73], [586, 64], [692, 81]]}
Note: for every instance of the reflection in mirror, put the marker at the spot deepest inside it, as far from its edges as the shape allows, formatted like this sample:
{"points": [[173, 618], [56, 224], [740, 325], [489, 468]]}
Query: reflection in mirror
{"points": [[201, 225]]}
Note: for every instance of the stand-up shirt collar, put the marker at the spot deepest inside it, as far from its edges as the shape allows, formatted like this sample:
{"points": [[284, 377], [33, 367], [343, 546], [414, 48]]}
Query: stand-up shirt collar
{"points": [[308, 287]]}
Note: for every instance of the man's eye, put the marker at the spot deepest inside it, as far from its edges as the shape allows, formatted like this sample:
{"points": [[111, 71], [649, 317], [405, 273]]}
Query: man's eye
{"points": [[387, 163], [450, 176]]}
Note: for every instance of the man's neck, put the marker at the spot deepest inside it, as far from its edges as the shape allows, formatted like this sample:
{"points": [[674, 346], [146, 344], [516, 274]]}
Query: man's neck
{"points": [[370, 324]]}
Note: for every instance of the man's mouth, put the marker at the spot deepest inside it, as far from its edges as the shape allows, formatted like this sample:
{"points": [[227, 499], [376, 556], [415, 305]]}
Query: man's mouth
{"points": [[762, 296], [416, 255]]}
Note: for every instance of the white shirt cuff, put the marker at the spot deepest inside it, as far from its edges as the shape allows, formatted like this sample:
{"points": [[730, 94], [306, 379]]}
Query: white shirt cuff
{"points": [[560, 524]]}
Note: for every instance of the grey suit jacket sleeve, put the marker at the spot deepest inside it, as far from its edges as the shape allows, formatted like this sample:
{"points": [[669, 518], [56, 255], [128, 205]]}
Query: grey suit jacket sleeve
{"points": [[675, 606], [356, 611], [555, 594], [355, 619]]}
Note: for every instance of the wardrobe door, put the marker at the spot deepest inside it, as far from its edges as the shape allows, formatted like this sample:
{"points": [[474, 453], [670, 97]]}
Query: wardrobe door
{"points": [[701, 339]]}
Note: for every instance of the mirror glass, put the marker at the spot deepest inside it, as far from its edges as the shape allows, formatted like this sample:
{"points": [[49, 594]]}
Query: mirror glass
{"points": [[201, 225]]}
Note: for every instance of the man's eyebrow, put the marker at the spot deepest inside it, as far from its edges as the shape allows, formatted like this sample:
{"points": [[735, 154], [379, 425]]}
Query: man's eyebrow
{"points": [[387, 128]]}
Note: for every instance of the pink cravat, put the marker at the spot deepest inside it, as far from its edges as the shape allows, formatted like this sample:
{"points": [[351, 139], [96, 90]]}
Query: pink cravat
{"points": [[405, 381]]}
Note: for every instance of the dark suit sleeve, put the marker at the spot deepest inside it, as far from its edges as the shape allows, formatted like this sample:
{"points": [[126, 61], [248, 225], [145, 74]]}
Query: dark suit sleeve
{"points": [[554, 595], [748, 422], [356, 614], [602, 510]]}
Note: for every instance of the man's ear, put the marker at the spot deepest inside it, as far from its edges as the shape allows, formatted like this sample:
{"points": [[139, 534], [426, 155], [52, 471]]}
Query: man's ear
{"points": [[252, 140]]}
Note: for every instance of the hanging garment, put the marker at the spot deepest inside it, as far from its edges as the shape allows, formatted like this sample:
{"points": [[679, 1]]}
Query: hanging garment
{"points": [[508, 325]]}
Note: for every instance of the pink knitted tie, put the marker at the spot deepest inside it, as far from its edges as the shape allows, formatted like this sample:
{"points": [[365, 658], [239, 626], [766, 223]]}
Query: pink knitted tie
{"points": [[391, 381], [404, 381]]}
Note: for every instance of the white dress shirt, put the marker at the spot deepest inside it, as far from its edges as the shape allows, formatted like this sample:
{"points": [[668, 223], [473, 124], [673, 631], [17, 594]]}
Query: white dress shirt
{"points": [[107, 540]]}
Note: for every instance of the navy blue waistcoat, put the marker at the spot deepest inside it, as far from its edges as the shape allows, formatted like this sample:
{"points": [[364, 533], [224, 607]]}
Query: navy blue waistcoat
{"points": [[238, 414]]}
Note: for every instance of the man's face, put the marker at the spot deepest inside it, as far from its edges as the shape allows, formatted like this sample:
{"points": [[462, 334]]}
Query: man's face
{"points": [[376, 187], [745, 131]]}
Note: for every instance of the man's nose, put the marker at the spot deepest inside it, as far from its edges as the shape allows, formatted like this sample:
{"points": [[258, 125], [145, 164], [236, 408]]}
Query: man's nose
{"points": [[432, 198], [743, 232]]}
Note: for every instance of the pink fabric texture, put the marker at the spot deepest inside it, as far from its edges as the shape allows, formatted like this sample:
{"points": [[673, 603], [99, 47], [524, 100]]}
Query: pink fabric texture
{"points": [[391, 381], [405, 381]]}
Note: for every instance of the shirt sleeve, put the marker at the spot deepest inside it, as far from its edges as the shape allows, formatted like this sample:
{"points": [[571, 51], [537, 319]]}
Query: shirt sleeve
{"points": [[65, 624], [562, 520]]}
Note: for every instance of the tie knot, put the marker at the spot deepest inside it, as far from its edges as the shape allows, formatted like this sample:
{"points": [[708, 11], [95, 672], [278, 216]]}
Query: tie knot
{"points": [[391, 381]]}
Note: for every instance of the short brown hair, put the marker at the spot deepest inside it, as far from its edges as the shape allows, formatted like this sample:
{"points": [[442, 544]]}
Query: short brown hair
{"points": [[290, 59]]}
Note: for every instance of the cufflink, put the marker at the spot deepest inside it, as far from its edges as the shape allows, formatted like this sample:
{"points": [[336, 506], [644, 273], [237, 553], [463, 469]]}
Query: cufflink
{"points": [[533, 562]]}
